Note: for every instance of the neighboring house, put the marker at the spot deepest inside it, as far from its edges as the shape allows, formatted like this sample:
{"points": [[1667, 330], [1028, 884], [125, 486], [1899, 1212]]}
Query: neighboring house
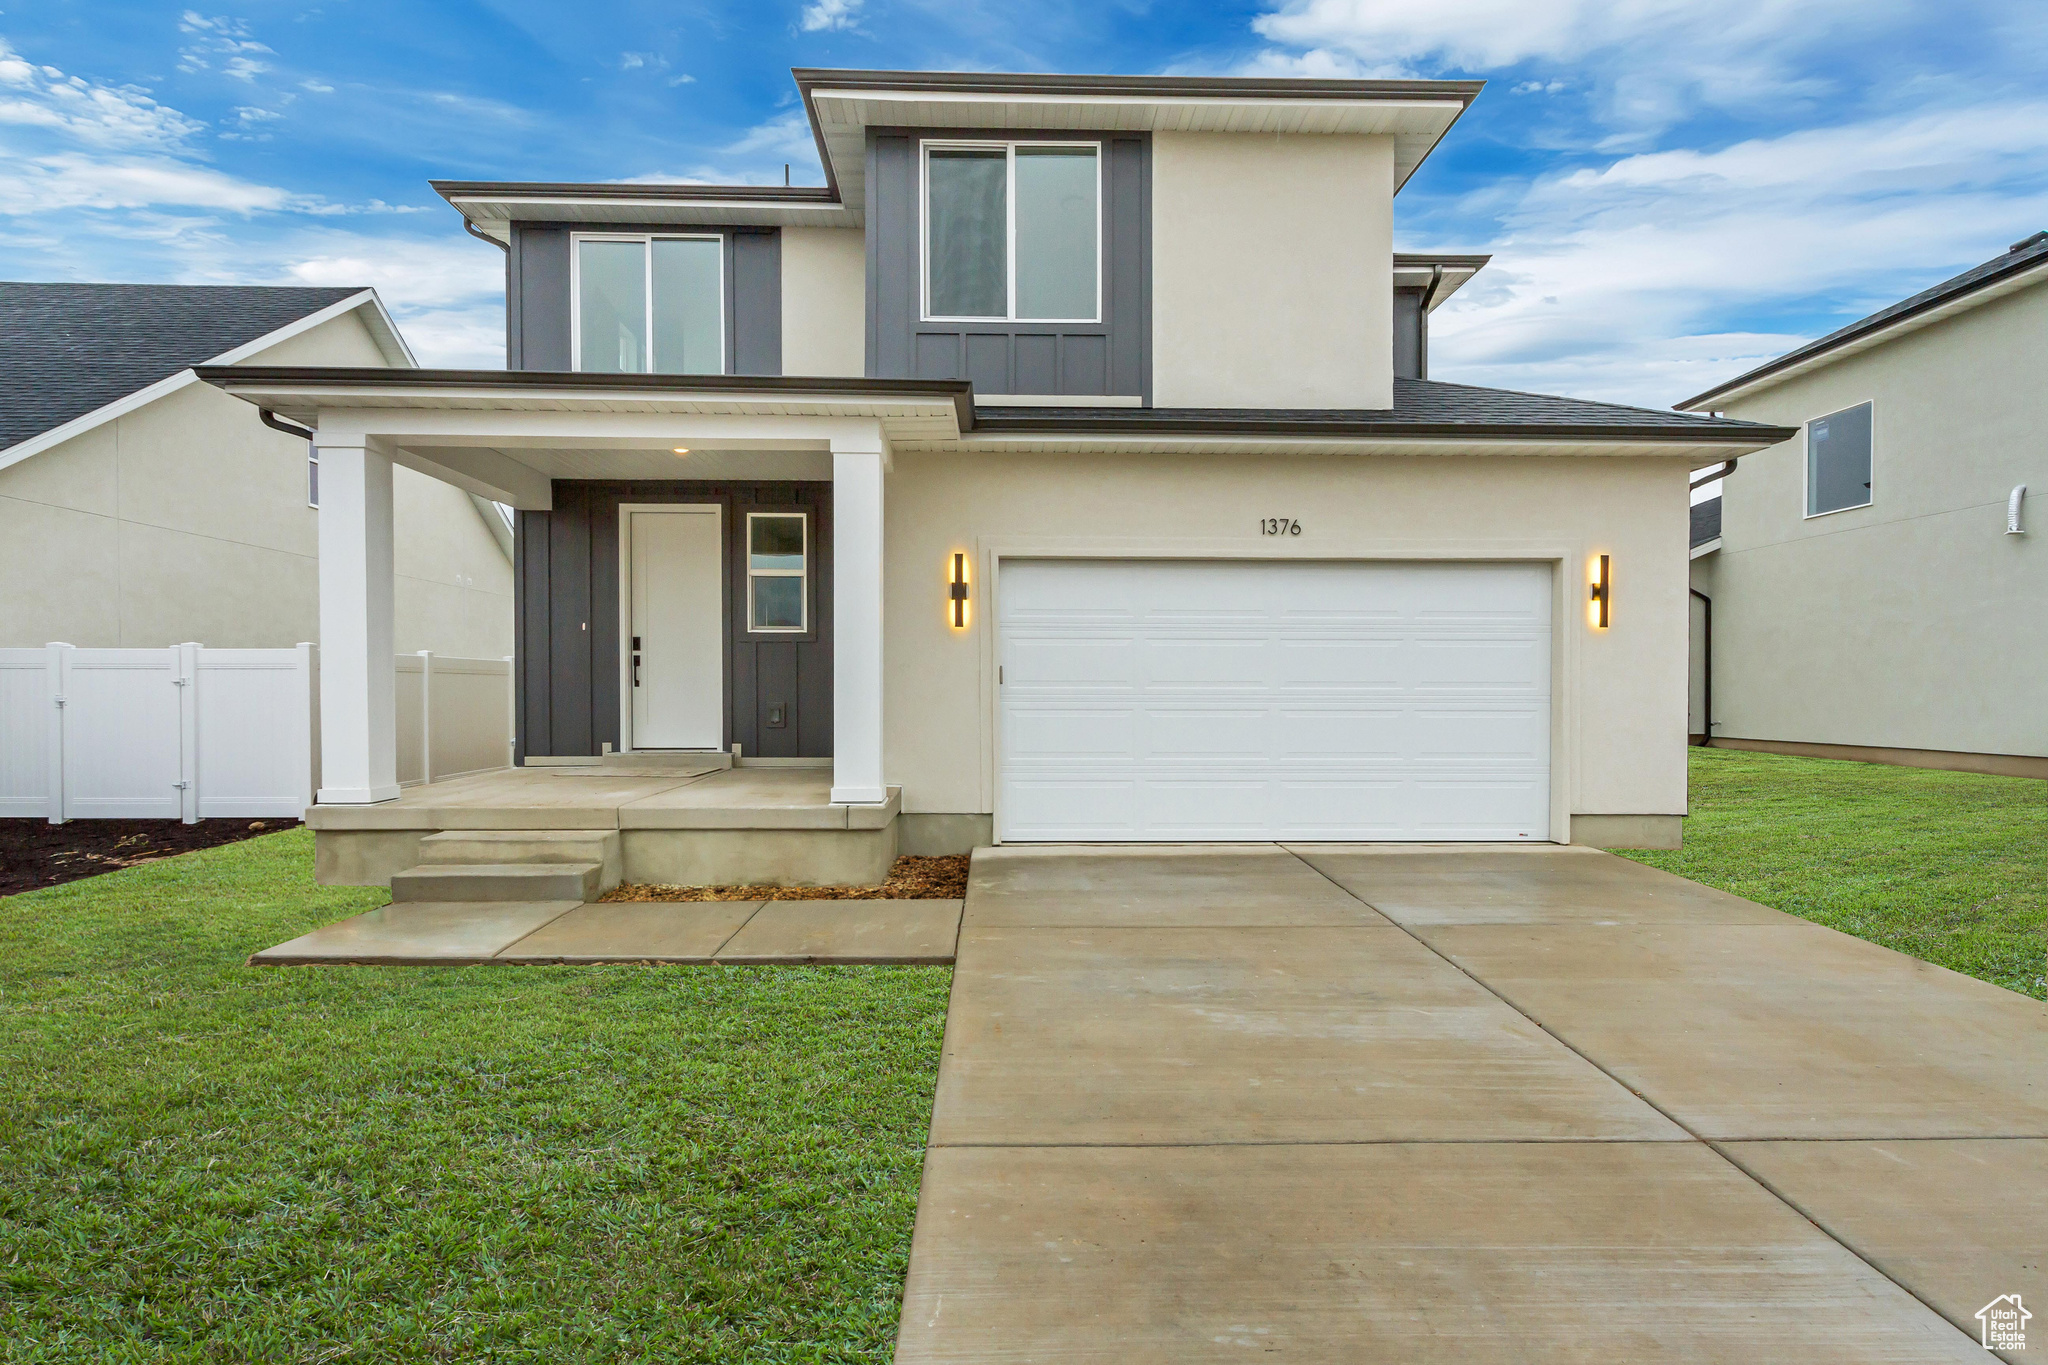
{"points": [[1057, 464], [1879, 588], [140, 507]]}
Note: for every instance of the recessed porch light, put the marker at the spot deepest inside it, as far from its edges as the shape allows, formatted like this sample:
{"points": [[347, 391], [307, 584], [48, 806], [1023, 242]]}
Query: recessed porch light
{"points": [[682, 450]]}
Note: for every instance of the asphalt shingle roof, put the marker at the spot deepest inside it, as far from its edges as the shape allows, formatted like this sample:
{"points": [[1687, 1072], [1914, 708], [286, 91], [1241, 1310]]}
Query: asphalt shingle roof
{"points": [[67, 349], [1417, 402], [1706, 521]]}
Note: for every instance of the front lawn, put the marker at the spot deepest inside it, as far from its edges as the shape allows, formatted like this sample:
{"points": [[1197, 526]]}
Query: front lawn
{"points": [[205, 1161], [1950, 867]]}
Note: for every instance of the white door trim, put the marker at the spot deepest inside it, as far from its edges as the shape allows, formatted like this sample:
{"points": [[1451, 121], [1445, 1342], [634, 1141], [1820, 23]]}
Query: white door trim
{"points": [[626, 510], [1566, 560]]}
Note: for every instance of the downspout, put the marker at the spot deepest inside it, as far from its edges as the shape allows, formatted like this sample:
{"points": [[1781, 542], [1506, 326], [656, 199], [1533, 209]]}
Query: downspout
{"points": [[471, 229], [1436, 279], [1706, 668], [276, 423]]}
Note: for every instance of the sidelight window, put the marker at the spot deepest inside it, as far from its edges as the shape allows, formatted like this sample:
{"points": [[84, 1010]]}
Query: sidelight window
{"points": [[1012, 231], [650, 305], [778, 571]]}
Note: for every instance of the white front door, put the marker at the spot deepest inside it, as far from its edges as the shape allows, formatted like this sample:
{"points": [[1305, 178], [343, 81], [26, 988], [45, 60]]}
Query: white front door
{"points": [[675, 656], [1224, 700]]}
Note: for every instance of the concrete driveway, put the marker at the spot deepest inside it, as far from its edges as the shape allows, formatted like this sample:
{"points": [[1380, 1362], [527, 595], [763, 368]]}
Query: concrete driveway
{"points": [[1342, 1104]]}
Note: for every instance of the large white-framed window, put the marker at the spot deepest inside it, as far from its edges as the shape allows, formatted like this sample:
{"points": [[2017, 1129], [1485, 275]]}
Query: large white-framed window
{"points": [[1838, 461], [778, 573], [647, 303], [1011, 231]]}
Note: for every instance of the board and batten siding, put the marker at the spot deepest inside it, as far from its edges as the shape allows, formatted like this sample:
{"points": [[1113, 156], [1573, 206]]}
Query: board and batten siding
{"points": [[1112, 356], [567, 618], [538, 302]]}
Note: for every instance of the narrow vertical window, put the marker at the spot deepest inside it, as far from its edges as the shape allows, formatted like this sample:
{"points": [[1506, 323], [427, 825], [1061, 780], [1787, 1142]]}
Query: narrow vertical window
{"points": [[312, 475], [611, 282], [1838, 461], [689, 324], [1057, 222], [778, 546], [967, 232]]}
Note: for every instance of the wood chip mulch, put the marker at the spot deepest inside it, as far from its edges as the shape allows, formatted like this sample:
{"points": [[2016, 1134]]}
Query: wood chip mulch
{"points": [[911, 879], [36, 853]]}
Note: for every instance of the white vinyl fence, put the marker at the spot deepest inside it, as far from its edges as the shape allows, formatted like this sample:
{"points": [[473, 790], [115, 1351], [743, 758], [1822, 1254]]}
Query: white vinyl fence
{"points": [[186, 733]]}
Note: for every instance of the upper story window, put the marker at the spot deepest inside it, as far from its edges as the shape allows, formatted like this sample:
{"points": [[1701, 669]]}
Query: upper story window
{"points": [[650, 304], [1012, 231], [1838, 461]]}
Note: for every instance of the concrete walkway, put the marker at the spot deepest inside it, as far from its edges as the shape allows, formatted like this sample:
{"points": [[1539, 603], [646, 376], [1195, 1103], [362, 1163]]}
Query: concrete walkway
{"points": [[456, 933], [1414, 1105]]}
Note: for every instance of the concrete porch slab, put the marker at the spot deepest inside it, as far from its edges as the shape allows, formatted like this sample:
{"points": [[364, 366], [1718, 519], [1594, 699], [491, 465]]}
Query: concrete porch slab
{"points": [[1199, 1035], [1016, 886], [417, 933], [634, 931], [756, 798], [1956, 1222], [898, 931], [1775, 1031], [512, 798], [1525, 886], [1541, 1254]]}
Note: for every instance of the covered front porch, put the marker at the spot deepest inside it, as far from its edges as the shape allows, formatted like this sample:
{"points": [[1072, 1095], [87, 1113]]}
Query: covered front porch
{"points": [[684, 542]]}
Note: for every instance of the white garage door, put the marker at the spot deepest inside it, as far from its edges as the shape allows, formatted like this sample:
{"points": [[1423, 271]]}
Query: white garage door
{"points": [[1197, 700]]}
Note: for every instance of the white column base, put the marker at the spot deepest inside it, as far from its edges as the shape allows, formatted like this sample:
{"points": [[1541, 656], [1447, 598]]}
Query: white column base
{"points": [[354, 796], [859, 796]]}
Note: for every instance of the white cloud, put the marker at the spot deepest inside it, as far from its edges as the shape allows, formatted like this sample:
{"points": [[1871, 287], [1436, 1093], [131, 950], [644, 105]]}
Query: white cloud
{"points": [[221, 38], [828, 15], [1621, 281], [68, 180], [124, 116]]}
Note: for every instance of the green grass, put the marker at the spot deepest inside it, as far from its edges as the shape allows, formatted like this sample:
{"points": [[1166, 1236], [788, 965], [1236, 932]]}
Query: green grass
{"points": [[205, 1161], [1950, 867]]}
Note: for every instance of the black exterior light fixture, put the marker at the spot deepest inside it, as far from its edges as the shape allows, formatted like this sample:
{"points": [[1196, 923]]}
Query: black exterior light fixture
{"points": [[957, 592], [1603, 589]]}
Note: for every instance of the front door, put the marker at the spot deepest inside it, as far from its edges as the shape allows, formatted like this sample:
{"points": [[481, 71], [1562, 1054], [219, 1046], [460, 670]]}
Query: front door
{"points": [[675, 651]]}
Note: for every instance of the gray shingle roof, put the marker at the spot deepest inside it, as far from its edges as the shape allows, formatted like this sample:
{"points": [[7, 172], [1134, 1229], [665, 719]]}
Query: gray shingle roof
{"points": [[67, 349], [1420, 405], [2023, 255], [1706, 521]]}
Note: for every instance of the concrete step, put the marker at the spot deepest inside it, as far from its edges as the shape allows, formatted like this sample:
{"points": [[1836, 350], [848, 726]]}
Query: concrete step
{"points": [[520, 846], [667, 762], [499, 882]]}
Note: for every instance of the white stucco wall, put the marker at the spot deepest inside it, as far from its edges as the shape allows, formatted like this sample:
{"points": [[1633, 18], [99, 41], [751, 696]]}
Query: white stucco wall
{"points": [[1238, 320], [186, 519], [1619, 734], [824, 301], [1915, 622]]}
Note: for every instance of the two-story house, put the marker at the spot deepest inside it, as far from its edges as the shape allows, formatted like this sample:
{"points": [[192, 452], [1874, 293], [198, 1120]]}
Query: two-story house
{"points": [[1064, 468]]}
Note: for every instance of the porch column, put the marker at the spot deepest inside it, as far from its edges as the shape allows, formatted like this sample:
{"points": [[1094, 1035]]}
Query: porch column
{"points": [[358, 706], [858, 463]]}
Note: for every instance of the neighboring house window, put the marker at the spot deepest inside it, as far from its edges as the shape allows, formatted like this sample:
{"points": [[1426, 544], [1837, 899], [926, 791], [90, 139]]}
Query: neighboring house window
{"points": [[777, 573], [312, 475], [1838, 461], [1013, 231], [650, 305]]}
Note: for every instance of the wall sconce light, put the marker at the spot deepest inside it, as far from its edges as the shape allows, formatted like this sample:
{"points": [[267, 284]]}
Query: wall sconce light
{"points": [[1603, 589], [957, 592], [2014, 505]]}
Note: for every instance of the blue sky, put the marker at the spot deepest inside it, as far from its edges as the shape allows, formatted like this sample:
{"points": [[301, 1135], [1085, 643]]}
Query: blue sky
{"points": [[1672, 189]]}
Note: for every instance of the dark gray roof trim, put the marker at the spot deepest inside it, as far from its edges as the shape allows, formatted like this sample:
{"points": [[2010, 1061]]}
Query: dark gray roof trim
{"points": [[807, 195], [2023, 256], [1082, 86], [1422, 408], [957, 391], [70, 349]]}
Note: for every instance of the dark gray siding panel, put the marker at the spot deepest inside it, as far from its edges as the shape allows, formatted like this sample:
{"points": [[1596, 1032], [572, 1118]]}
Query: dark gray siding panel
{"points": [[1112, 356], [539, 295], [1411, 356], [541, 254], [754, 295], [567, 622]]}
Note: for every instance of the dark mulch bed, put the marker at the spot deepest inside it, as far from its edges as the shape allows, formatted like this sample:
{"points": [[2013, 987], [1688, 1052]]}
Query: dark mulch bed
{"points": [[911, 879], [37, 853]]}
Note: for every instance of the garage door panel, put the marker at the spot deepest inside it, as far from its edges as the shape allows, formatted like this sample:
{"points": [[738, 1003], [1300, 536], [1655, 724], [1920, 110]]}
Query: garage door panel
{"points": [[1274, 700]]}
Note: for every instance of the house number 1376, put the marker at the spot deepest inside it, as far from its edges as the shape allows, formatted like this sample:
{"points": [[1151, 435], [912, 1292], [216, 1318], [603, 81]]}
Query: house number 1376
{"points": [[1279, 526]]}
